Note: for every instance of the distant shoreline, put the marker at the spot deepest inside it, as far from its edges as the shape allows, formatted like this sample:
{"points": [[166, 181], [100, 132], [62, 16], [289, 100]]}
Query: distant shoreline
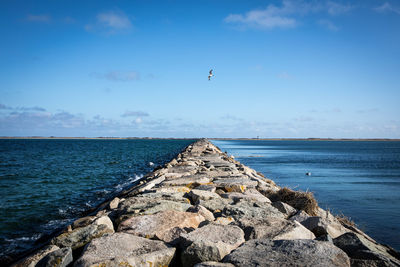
{"points": [[172, 138]]}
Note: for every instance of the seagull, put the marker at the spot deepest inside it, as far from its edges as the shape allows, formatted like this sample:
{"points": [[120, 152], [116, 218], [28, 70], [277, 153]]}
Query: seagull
{"points": [[210, 75]]}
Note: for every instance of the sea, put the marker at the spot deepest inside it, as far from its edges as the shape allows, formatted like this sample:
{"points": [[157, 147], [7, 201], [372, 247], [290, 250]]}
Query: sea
{"points": [[47, 183], [358, 179]]}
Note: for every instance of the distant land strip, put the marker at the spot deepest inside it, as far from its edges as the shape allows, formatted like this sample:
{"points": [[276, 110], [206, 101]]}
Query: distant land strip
{"points": [[210, 138]]}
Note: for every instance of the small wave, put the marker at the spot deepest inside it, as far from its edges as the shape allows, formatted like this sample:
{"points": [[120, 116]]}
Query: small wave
{"points": [[131, 180], [24, 238]]}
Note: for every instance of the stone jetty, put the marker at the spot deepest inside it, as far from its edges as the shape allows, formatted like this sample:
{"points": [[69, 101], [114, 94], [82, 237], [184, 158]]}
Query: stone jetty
{"points": [[204, 208]]}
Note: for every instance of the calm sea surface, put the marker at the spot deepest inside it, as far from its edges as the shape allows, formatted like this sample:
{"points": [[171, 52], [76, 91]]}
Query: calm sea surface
{"points": [[359, 179], [45, 184]]}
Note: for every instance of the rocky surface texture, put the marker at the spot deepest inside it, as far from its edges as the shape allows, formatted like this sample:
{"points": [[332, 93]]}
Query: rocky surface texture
{"points": [[204, 208]]}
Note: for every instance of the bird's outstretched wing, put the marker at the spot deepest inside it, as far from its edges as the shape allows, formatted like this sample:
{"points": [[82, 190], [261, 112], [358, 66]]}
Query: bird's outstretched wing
{"points": [[211, 71]]}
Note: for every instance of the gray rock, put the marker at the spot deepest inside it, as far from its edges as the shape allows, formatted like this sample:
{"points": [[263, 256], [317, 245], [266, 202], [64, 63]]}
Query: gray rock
{"points": [[213, 264], [299, 216], [265, 252], [215, 205], [114, 203], [81, 236], [208, 215], [197, 195], [210, 243], [187, 181], [236, 196], [206, 187], [244, 209], [358, 247], [31, 260], [146, 206], [284, 208], [122, 249], [273, 228], [161, 225], [235, 184], [81, 222], [59, 258]]}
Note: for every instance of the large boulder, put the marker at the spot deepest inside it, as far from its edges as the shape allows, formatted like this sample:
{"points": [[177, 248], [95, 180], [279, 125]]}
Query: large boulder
{"points": [[362, 249], [273, 228], [59, 258], [123, 249], [266, 252], [162, 226], [31, 260], [210, 243], [244, 209], [323, 226], [81, 236]]}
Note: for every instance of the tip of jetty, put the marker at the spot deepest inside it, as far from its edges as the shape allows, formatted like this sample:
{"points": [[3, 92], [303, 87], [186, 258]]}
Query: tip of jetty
{"points": [[204, 208]]}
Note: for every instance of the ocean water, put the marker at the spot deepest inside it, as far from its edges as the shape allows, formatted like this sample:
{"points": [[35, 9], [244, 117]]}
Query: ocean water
{"points": [[360, 179], [45, 184]]}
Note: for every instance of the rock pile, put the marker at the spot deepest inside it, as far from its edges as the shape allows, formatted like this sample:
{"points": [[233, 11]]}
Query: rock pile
{"points": [[206, 209]]}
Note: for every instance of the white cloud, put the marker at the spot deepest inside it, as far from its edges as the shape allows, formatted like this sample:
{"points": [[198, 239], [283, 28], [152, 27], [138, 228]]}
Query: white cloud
{"points": [[38, 18], [111, 22], [286, 15], [334, 8], [268, 18], [386, 8], [116, 20], [135, 114], [285, 76], [328, 25]]}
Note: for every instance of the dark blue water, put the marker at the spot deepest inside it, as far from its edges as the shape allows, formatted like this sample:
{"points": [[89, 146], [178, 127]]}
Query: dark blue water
{"points": [[359, 179], [45, 184]]}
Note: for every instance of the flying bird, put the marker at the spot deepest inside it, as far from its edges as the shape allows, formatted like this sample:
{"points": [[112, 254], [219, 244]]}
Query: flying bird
{"points": [[210, 75]]}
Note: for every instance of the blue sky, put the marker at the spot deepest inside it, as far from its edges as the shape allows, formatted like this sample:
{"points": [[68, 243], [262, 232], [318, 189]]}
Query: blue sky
{"points": [[139, 68]]}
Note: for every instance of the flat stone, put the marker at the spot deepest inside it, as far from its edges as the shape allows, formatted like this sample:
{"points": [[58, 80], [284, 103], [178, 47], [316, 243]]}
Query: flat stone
{"points": [[266, 252], [161, 225], [123, 249], [273, 228], [59, 258], [151, 183], [358, 247], [32, 260], [206, 187], [197, 195], [244, 209], [149, 205], [81, 236], [210, 243], [187, 181], [250, 195], [171, 189], [235, 185]]}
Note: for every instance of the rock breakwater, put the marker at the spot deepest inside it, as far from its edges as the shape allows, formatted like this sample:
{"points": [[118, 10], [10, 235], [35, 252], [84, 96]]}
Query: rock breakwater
{"points": [[204, 208]]}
